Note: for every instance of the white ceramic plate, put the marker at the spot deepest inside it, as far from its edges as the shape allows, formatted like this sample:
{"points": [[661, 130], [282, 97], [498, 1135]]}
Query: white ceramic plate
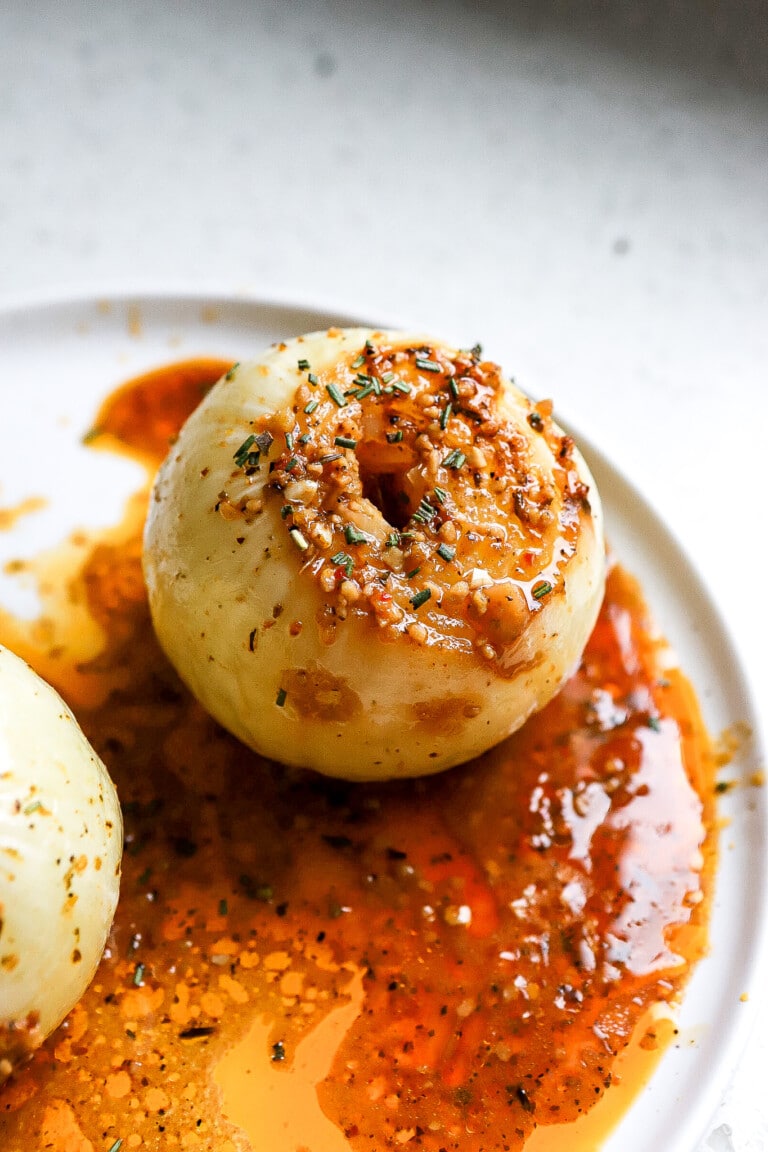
{"points": [[59, 360]]}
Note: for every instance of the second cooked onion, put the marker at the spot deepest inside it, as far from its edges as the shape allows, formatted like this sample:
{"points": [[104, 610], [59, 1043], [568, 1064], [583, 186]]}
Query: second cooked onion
{"points": [[371, 555], [61, 842]]}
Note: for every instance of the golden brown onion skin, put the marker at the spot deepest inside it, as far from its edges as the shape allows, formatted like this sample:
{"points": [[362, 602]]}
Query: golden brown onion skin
{"points": [[371, 555]]}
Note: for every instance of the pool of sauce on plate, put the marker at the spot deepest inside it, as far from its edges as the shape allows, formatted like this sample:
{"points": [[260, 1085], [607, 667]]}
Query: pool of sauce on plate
{"points": [[452, 963]]}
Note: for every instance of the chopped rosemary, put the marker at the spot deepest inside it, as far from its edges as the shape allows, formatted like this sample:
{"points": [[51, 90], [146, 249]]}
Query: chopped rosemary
{"points": [[364, 392], [392, 540], [330, 456], [292, 463], [280, 698], [440, 494], [286, 510], [313, 379], [395, 437], [477, 351], [358, 361], [305, 437], [289, 441], [345, 561], [242, 452], [33, 807], [117, 1145], [138, 976], [427, 365], [424, 512], [310, 407], [413, 572], [353, 535], [453, 387], [454, 459], [345, 442], [447, 551], [223, 908], [232, 371], [654, 723], [335, 395], [421, 598], [299, 540], [445, 415], [303, 365], [541, 590], [401, 386]]}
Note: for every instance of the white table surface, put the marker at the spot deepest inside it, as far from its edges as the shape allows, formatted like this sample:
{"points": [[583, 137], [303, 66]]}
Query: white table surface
{"points": [[582, 187]]}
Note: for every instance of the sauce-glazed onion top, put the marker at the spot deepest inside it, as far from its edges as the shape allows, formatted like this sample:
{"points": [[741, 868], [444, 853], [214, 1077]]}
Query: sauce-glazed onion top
{"points": [[370, 554]]}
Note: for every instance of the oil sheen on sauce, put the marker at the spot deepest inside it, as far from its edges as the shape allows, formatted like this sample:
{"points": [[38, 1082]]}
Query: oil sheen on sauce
{"points": [[298, 964]]}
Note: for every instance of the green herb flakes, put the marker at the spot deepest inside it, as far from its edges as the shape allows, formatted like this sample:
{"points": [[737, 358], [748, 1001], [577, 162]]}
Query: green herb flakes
{"points": [[241, 454], [335, 395], [455, 459], [345, 561], [299, 539]]}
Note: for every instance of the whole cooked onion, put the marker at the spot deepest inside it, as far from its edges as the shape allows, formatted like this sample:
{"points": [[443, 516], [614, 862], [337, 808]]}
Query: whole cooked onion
{"points": [[371, 555], [61, 842]]}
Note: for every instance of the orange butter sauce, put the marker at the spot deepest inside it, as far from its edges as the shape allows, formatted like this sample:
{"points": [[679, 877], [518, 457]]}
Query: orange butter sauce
{"points": [[452, 963]]}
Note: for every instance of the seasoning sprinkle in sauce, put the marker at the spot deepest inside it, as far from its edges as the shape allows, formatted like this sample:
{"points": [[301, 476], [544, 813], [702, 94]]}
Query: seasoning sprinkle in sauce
{"points": [[447, 963]]}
